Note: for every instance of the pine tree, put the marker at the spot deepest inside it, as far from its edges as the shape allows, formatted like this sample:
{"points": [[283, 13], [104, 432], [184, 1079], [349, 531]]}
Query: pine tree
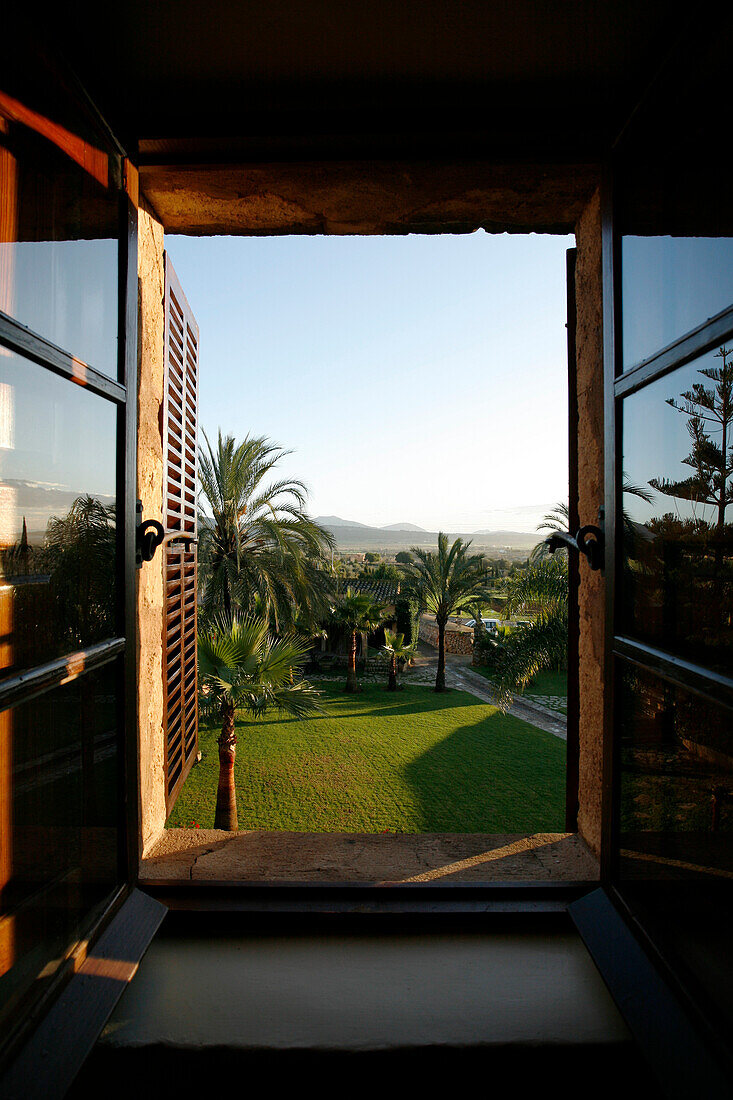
{"points": [[709, 411]]}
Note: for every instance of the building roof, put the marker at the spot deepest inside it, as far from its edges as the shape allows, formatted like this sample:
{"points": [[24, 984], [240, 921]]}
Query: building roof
{"points": [[379, 590]]}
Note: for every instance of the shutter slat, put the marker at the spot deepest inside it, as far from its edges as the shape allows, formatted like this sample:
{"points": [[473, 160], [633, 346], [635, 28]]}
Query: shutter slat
{"points": [[179, 510]]}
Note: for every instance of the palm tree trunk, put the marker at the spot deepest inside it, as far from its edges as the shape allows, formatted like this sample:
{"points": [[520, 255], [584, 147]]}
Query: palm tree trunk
{"points": [[392, 684], [440, 678], [351, 686], [226, 795]]}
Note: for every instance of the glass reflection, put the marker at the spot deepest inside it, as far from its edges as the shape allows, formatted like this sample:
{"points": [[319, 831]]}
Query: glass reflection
{"points": [[677, 582], [59, 828], [57, 516], [676, 782], [671, 285], [58, 247], [676, 830]]}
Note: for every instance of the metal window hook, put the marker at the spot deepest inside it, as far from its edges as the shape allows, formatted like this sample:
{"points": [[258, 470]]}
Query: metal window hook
{"points": [[589, 540], [150, 534]]}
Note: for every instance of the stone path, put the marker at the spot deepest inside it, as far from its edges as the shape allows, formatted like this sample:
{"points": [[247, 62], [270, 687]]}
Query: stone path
{"points": [[459, 674], [556, 703], [526, 707]]}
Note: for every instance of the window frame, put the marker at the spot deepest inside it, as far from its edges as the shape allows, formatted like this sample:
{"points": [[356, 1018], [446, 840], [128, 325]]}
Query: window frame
{"points": [[114, 912], [673, 1030]]}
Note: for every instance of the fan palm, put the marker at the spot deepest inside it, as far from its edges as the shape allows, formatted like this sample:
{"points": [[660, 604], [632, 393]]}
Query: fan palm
{"points": [[259, 548], [243, 668], [395, 648], [358, 613], [446, 582]]}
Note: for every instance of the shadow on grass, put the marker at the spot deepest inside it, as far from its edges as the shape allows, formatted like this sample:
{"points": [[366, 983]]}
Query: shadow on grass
{"points": [[497, 774], [402, 703]]}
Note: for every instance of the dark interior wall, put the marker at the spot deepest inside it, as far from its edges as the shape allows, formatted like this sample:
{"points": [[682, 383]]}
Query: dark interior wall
{"points": [[249, 81]]}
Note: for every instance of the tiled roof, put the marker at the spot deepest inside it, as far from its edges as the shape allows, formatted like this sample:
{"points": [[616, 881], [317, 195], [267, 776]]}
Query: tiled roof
{"points": [[380, 591]]}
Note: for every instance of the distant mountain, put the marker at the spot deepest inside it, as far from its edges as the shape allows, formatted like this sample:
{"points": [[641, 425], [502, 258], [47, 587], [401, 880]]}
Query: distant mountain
{"points": [[336, 521], [358, 537], [402, 527]]}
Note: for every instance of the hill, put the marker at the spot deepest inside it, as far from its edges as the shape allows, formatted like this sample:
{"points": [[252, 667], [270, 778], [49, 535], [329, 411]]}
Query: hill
{"points": [[402, 527], [336, 521], [389, 540]]}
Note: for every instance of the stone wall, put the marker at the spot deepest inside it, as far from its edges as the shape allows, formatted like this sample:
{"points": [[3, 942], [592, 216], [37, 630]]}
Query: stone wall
{"points": [[371, 664], [458, 639], [151, 282], [368, 197]]}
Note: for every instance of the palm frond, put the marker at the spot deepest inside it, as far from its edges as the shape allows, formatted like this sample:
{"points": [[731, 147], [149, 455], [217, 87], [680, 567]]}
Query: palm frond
{"points": [[258, 545], [528, 650], [241, 665]]}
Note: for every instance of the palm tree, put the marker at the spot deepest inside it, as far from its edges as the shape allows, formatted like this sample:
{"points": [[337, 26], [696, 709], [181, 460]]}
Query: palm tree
{"points": [[243, 668], [79, 553], [394, 646], [445, 582], [259, 547], [541, 587], [358, 612], [558, 519], [475, 609]]}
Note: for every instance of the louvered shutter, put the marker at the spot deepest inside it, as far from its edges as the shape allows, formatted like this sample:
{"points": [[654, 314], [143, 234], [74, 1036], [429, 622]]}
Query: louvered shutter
{"points": [[179, 512]]}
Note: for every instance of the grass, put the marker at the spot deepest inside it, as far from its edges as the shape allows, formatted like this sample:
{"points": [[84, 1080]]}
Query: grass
{"points": [[549, 683], [411, 761]]}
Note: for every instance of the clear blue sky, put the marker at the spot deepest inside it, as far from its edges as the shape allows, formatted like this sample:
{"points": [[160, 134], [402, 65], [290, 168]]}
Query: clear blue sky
{"points": [[417, 378]]}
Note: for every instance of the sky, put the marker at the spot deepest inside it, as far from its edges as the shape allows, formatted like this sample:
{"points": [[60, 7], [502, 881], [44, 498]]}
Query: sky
{"points": [[418, 379]]}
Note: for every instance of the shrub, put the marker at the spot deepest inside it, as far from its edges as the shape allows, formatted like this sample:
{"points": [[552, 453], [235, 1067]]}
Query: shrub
{"points": [[407, 613]]}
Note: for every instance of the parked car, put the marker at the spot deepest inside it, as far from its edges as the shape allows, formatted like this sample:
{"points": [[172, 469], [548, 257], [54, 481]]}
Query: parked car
{"points": [[492, 625]]}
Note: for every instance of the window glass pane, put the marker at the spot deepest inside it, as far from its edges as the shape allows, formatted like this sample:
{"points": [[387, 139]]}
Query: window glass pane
{"points": [[58, 247], [57, 520], [59, 827], [676, 830], [676, 781], [671, 285], [677, 500]]}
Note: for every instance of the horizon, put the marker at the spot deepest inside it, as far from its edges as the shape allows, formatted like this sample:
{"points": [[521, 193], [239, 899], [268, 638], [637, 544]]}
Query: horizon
{"points": [[433, 369]]}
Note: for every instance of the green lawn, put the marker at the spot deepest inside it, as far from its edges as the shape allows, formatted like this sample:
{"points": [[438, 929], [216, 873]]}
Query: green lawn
{"points": [[549, 683], [411, 761]]}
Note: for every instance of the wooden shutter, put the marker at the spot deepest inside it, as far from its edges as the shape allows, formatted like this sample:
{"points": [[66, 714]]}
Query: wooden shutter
{"points": [[179, 517]]}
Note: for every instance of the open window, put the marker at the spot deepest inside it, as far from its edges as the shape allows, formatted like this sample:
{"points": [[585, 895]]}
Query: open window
{"points": [[424, 788], [662, 924], [652, 793], [67, 546]]}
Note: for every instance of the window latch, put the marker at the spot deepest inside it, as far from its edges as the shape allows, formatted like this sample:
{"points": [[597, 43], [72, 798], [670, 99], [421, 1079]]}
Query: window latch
{"points": [[589, 540], [149, 534]]}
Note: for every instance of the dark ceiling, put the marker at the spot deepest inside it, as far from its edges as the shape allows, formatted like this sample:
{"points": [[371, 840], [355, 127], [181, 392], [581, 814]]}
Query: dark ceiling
{"points": [[515, 79]]}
